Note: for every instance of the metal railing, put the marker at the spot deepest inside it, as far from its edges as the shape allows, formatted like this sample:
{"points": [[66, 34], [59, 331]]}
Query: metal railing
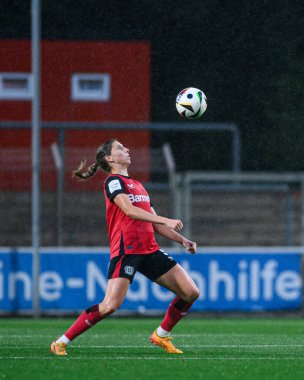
{"points": [[175, 127], [186, 183], [58, 160]]}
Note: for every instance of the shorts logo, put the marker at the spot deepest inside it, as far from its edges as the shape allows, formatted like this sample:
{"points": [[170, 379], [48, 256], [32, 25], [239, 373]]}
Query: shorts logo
{"points": [[129, 270], [166, 254]]}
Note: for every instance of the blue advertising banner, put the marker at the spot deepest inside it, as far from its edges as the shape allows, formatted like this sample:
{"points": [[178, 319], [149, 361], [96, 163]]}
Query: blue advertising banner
{"points": [[235, 280]]}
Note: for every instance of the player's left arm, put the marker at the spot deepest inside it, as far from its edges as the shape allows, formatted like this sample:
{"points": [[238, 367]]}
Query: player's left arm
{"points": [[174, 236]]}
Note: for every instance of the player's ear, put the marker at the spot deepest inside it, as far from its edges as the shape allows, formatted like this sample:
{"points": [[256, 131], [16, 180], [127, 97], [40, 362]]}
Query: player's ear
{"points": [[109, 158]]}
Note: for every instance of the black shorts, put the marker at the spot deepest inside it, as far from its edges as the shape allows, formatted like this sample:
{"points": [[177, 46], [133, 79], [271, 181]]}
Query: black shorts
{"points": [[152, 265]]}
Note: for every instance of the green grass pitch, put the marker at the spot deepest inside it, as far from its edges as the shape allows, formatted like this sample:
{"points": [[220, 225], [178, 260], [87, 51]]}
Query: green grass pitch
{"points": [[119, 348]]}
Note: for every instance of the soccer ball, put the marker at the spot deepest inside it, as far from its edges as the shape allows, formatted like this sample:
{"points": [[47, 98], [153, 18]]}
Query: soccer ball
{"points": [[191, 103]]}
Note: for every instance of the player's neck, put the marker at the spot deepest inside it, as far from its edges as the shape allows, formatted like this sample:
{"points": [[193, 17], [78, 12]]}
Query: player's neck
{"points": [[120, 171], [119, 168]]}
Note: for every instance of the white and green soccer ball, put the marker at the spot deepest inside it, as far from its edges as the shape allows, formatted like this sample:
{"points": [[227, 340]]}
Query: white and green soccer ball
{"points": [[191, 103]]}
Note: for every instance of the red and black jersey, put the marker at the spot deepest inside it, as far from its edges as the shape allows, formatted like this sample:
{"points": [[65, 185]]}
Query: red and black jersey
{"points": [[127, 235]]}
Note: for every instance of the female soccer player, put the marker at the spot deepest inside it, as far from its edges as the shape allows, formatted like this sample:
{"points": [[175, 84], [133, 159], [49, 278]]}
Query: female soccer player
{"points": [[131, 224]]}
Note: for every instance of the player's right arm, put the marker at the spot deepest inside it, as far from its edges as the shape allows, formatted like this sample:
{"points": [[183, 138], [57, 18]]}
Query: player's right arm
{"points": [[124, 203], [174, 236]]}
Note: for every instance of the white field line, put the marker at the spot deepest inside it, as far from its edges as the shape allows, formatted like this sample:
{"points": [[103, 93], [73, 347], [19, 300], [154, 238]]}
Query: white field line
{"points": [[95, 336], [24, 346], [131, 358], [201, 346], [205, 335]]}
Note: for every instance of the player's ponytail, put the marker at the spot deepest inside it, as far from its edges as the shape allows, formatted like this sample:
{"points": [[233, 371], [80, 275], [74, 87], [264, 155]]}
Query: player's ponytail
{"points": [[89, 173], [103, 151]]}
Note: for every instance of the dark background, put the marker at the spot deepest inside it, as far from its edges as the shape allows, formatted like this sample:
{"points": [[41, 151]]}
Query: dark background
{"points": [[247, 56]]}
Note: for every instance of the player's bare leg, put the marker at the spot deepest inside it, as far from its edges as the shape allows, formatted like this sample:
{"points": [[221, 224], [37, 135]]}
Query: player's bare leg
{"points": [[115, 294], [179, 282]]}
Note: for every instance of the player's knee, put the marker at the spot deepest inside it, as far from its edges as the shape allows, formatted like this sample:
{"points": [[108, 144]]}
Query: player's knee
{"points": [[106, 310], [111, 310], [196, 294], [193, 294]]}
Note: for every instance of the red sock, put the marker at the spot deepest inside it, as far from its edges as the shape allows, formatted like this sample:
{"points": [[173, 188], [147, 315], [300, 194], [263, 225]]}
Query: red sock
{"points": [[177, 309], [85, 321]]}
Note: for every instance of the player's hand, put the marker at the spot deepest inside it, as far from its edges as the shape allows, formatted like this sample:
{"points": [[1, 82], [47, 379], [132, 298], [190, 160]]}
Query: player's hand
{"points": [[174, 224], [189, 245]]}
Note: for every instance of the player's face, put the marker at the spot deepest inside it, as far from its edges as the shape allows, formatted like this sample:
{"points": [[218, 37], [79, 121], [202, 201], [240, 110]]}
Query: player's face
{"points": [[120, 154]]}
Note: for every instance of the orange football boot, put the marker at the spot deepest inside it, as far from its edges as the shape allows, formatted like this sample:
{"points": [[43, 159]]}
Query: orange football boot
{"points": [[58, 348], [164, 343]]}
